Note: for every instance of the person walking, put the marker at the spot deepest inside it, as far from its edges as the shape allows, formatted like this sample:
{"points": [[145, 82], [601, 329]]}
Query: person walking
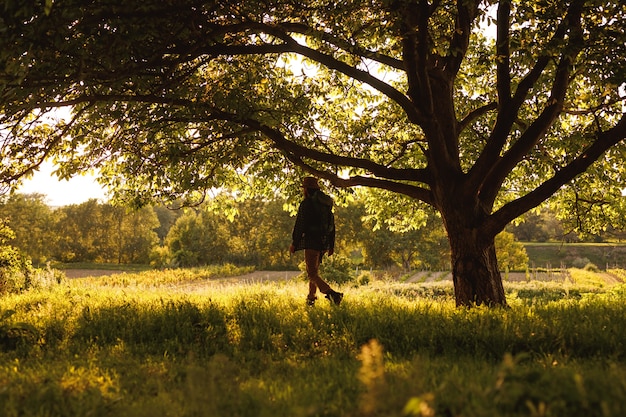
{"points": [[314, 232]]}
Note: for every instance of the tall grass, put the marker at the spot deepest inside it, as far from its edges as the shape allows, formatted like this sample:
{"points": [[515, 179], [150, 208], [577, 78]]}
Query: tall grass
{"points": [[109, 348]]}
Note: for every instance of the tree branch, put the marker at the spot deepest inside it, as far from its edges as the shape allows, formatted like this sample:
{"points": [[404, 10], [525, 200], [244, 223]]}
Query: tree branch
{"points": [[503, 54], [554, 106], [359, 75], [290, 45], [514, 209], [300, 151], [490, 169], [466, 13], [44, 153], [421, 43], [343, 44], [418, 193], [476, 113]]}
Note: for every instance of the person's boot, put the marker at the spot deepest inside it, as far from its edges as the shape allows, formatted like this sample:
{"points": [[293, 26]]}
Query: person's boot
{"points": [[334, 297]]}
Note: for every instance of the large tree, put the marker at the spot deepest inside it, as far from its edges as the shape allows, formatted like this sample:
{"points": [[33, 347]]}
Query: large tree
{"points": [[171, 98]]}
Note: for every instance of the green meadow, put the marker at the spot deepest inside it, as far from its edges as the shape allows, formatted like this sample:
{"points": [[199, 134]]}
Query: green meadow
{"points": [[193, 343]]}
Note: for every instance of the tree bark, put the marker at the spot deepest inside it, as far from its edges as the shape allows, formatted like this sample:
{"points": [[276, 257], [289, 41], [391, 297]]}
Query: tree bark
{"points": [[475, 272]]}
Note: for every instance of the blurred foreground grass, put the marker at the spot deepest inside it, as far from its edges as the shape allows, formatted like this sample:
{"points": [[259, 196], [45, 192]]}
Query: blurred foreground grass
{"points": [[152, 345]]}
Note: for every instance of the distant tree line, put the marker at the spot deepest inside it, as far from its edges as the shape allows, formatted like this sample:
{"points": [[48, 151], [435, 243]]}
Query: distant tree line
{"points": [[252, 232], [88, 232]]}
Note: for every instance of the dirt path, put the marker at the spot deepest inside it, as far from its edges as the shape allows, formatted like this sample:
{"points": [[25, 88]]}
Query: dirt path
{"points": [[262, 276]]}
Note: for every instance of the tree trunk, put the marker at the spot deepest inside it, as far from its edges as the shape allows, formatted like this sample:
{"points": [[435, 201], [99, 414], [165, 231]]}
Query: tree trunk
{"points": [[477, 279]]}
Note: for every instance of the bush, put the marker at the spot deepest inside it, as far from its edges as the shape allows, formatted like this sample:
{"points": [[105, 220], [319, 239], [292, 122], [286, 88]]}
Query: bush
{"points": [[160, 257], [16, 271], [580, 262], [364, 278], [336, 269], [12, 335]]}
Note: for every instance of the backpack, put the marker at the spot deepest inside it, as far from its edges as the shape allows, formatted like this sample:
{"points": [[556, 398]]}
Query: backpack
{"points": [[324, 208]]}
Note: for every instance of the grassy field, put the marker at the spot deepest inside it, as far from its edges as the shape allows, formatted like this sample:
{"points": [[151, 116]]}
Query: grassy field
{"points": [[576, 254], [186, 343]]}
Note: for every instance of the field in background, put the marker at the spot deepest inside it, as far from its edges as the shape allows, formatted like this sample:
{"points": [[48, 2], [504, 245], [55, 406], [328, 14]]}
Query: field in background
{"points": [[553, 255], [545, 262]]}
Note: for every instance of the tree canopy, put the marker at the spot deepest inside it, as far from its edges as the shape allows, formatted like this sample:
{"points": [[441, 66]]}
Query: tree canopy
{"points": [[413, 97]]}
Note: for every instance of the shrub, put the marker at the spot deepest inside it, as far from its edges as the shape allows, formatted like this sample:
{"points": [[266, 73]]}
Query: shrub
{"points": [[364, 278], [12, 335], [337, 269], [580, 262], [160, 257], [16, 271]]}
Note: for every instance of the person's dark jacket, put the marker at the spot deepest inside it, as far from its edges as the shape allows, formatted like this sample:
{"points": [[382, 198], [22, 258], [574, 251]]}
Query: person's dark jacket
{"points": [[307, 231]]}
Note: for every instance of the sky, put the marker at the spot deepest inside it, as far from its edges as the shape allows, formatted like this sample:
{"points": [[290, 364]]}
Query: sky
{"points": [[62, 192]]}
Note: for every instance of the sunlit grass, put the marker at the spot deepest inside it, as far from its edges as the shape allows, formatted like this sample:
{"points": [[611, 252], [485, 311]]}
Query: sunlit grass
{"points": [[126, 345], [156, 278]]}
